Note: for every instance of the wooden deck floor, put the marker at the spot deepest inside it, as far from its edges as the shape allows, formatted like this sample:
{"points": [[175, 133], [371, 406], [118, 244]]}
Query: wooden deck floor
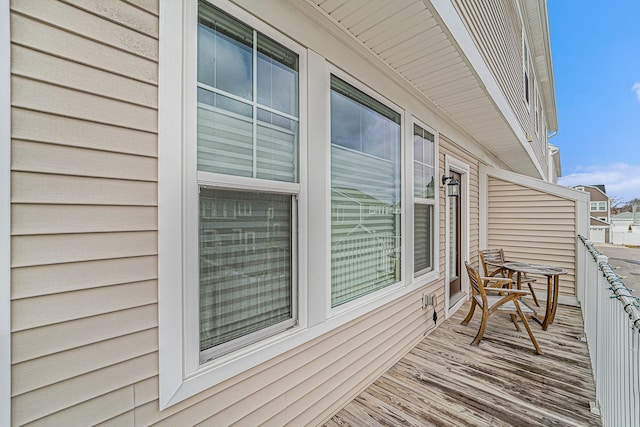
{"points": [[444, 381]]}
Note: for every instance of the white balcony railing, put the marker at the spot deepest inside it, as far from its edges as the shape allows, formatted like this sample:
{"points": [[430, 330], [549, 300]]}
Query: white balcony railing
{"points": [[612, 329]]}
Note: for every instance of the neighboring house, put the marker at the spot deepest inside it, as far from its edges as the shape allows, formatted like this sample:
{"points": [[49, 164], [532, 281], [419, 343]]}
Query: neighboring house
{"points": [[195, 188], [599, 212], [624, 220], [625, 228]]}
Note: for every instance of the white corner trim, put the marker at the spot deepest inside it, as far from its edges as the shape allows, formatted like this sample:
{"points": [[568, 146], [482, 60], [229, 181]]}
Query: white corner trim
{"points": [[459, 33], [5, 215], [170, 81]]}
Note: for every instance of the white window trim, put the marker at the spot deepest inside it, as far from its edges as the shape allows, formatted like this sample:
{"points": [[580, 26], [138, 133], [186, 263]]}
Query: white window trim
{"points": [[5, 214], [423, 278]]}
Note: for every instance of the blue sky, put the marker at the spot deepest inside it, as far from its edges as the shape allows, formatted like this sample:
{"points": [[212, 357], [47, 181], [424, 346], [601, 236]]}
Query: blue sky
{"points": [[596, 60]]}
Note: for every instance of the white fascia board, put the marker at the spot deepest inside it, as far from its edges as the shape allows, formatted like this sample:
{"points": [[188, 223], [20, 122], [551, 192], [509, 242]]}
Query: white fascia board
{"points": [[459, 35], [5, 215]]}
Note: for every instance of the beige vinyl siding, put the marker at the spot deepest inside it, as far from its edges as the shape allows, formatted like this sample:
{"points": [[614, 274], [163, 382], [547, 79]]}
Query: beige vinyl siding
{"points": [[84, 196], [308, 384], [84, 244], [496, 28], [538, 228]]}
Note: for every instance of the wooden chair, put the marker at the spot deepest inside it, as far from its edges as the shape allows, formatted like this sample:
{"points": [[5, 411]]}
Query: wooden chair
{"points": [[492, 260], [497, 298]]}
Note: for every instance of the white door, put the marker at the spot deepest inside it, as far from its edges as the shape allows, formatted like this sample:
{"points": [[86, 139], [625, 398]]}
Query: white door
{"points": [[596, 234]]}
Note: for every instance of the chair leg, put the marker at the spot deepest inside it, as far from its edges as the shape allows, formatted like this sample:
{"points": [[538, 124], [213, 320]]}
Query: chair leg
{"points": [[471, 311], [533, 294], [514, 319], [483, 326], [528, 328]]}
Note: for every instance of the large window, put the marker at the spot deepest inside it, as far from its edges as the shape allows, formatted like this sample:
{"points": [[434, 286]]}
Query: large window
{"points": [[259, 250], [424, 199], [247, 126], [365, 194], [598, 206]]}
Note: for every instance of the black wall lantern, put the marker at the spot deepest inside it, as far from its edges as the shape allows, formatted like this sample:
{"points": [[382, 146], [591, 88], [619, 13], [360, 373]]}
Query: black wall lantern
{"points": [[453, 186]]}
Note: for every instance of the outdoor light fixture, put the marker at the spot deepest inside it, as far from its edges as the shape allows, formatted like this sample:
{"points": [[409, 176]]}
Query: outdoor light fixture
{"points": [[453, 186]]}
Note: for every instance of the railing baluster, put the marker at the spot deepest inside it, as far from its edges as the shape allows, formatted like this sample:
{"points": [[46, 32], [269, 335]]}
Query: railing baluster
{"points": [[612, 330]]}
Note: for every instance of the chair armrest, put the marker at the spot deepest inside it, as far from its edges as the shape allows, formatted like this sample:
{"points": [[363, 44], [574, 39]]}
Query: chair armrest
{"points": [[507, 290]]}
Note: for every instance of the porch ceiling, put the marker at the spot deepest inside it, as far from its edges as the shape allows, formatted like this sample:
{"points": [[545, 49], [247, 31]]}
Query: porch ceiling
{"points": [[412, 38]]}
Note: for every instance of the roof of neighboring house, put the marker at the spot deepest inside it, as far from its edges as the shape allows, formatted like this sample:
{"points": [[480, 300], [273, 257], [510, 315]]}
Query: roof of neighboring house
{"points": [[599, 187], [598, 221], [623, 216]]}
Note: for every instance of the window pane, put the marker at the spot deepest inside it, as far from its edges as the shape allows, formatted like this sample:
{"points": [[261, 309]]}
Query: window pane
{"points": [[225, 135], [424, 163], [423, 237], [365, 195], [237, 137], [245, 264], [277, 147], [277, 76], [419, 183], [225, 53]]}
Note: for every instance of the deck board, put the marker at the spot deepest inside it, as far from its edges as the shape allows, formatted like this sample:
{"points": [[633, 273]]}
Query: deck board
{"points": [[444, 381]]}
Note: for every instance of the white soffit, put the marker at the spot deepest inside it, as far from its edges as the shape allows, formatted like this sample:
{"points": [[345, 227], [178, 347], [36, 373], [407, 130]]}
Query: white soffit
{"points": [[413, 40]]}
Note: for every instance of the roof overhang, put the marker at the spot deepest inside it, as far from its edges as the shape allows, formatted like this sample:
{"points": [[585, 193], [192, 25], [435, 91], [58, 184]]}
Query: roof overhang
{"points": [[427, 44]]}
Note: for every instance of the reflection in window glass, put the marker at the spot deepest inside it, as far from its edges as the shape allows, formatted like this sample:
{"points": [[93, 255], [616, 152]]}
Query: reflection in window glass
{"points": [[423, 237], [424, 162], [277, 76], [247, 126], [245, 265], [231, 139], [365, 194], [225, 54], [276, 147]]}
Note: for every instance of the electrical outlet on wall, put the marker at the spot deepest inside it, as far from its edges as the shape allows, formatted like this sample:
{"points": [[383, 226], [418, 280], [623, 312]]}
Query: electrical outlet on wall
{"points": [[428, 300]]}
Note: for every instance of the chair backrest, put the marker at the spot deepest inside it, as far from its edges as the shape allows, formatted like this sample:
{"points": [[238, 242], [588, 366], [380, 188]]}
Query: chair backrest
{"points": [[476, 283], [492, 256]]}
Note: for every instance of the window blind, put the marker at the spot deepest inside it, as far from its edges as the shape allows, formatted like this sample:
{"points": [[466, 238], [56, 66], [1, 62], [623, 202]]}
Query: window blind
{"points": [[423, 237], [245, 264]]}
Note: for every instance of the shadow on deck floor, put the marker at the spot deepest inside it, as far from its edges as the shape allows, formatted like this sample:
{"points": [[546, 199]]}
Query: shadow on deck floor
{"points": [[444, 381]]}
